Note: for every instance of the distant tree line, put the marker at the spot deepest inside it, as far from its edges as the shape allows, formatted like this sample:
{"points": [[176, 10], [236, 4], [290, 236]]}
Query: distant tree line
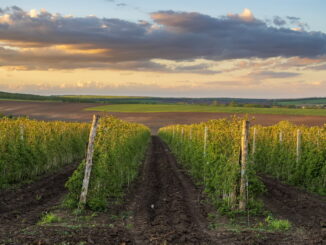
{"points": [[232, 102]]}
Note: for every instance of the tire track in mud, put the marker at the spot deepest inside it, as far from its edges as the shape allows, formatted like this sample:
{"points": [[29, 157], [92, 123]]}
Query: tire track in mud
{"points": [[165, 204]]}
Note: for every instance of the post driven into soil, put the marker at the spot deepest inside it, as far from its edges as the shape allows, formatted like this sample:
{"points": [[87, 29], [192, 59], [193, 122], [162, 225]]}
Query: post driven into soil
{"points": [[244, 161], [299, 136], [254, 142], [89, 162], [205, 141]]}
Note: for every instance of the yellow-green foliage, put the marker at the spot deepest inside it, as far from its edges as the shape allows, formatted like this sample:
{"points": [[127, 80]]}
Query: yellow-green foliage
{"points": [[29, 148], [219, 169], [49, 218], [119, 149], [278, 157]]}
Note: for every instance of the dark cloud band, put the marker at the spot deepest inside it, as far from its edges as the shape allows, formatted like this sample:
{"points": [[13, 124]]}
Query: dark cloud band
{"points": [[170, 35]]}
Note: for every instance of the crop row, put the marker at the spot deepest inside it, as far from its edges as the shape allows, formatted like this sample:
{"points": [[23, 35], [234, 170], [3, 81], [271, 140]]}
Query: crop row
{"points": [[30, 148], [294, 154], [118, 150], [211, 152]]}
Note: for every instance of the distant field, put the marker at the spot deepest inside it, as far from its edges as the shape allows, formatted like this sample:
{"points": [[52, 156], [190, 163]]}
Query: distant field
{"points": [[205, 108], [22, 100], [102, 97], [321, 101]]}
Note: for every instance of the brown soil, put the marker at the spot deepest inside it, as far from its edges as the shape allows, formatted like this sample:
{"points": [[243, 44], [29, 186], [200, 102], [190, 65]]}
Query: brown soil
{"points": [[76, 112], [163, 207], [165, 204], [22, 208], [303, 209], [25, 204]]}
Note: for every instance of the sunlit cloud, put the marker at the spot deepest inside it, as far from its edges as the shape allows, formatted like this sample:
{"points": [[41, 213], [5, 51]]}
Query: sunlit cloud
{"points": [[246, 15], [171, 35], [173, 53]]}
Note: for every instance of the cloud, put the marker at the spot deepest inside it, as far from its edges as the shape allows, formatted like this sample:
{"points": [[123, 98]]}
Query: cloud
{"points": [[278, 21], [121, 4], [199, 69], [47, 40], [297, 22], [319, 67], [228, 83], [246, 15], [272, 74]]}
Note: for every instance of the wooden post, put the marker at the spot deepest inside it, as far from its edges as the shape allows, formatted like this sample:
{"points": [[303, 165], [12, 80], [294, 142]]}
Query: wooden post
{"points": [[298, 145], [205, 140], [21, 131], [89, 162], [281, 137], [254, 142], [244, 160], [190, 134]]}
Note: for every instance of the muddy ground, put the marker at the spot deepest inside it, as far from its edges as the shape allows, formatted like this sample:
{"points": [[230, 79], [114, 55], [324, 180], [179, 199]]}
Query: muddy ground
{"points": [[162, 207], [76, 112]]}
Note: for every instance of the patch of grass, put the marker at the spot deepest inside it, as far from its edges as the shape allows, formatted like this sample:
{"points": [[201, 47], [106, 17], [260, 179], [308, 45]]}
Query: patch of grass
{"points": [[38, 197], [129, 226], [278, 224], [49, 218], [121, 216], [204, 108]]}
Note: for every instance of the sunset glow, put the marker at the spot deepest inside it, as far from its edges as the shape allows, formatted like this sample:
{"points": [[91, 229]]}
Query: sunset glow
{"points": [[167, 53]]}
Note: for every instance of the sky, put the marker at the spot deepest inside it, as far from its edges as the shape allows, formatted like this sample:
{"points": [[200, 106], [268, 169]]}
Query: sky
{"points": [[209, 48]]}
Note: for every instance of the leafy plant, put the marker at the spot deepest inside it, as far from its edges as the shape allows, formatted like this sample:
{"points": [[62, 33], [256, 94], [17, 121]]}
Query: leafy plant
{"points": [[212, 158], [49, 218], [118, 151], [276, 155], [277, 224], [29, 148]]}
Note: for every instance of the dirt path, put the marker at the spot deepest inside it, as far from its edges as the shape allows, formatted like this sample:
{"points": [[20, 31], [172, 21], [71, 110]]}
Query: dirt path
{"points": [[169, 209], [165, 205]]}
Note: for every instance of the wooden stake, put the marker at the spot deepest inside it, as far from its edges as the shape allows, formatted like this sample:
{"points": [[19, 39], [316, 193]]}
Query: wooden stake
{"points": [[89, 162], [281, 137], [21, 131], [298, 145], [254, 142], [244, 160], [205, 140]]}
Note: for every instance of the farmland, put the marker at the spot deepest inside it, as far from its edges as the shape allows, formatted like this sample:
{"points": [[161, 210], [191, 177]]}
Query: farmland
{"points": [[76, 112], [140, 191], [205, 108], [162, 122], [109, 99]]}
